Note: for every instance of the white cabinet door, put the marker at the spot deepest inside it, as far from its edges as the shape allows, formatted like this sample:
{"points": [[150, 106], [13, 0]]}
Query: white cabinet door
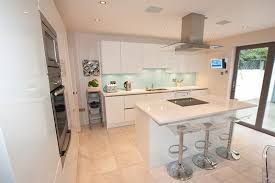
{"points": [[182, 94], [199, 92], [154, 56], [114, 107], [131, 57], [111, 57], [130, 114], [150, 55], [174, 64], [160, 96], [131, 100]]}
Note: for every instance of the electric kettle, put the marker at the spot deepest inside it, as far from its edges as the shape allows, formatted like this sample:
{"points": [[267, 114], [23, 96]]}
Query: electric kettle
{"points": [[127, 86]]}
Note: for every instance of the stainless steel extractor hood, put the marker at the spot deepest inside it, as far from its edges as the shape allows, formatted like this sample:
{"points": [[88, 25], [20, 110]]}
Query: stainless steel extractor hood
{"points": [[192, 35]]}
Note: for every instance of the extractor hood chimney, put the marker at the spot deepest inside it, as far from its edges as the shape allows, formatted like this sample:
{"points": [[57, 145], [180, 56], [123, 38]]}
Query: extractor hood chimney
{"points": [[192, 34]]}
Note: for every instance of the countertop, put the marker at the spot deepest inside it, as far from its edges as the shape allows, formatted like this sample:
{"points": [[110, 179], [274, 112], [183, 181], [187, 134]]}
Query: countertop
{"points": [[164, 112], [143, 91]]}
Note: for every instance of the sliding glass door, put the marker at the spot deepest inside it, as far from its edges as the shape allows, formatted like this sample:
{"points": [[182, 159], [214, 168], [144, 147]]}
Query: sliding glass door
{"points": [[253, 82]]}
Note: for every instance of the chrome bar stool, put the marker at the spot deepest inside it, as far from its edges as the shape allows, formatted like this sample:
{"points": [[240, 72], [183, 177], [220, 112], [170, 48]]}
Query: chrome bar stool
{"points": [[227, 152], [205, 160], [177, 169]]}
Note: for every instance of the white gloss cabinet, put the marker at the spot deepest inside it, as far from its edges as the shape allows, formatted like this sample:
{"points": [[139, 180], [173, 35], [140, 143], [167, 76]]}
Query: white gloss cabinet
{"points": [[199, 92], [131, 100], [155, 56], [121, 110], [111, 57], [114, 107], [131, 57]]}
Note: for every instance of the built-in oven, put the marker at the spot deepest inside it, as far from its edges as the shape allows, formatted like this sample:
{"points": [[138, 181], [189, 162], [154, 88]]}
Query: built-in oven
{"points": [[56, 88], [60, 118]]}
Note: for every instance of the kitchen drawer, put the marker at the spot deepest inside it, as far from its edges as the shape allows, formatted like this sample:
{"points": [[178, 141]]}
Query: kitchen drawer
{"points": [[199, 92], [182, 94], [160, 96], [130, 114], [131, 100]]}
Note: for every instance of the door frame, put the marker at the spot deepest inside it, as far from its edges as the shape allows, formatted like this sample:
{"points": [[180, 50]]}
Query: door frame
{"points": [[265, 85]]}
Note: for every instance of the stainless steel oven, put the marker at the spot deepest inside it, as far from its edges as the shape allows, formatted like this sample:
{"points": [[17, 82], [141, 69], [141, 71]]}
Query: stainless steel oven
{"points": [[60, 118], [56, 87]]}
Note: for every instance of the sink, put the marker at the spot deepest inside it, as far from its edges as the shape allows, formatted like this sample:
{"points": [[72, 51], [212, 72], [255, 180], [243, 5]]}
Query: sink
{"points": [[155, 89]]}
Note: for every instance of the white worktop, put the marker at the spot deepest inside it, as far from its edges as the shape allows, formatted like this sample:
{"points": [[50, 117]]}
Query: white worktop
{"points": [[143, 91], [164, 112]]}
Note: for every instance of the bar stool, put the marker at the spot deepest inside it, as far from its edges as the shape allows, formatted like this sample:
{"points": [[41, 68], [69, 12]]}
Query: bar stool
{"points": [[177, 169], [227, 152], [205, 160]]}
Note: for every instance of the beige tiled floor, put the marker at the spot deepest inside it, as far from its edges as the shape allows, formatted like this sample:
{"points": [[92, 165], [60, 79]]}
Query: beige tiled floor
{"points": [[111, 156]]}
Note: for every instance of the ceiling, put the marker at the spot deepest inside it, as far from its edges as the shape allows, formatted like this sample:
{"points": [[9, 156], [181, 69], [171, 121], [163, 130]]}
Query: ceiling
{"points": [[128, 16]]}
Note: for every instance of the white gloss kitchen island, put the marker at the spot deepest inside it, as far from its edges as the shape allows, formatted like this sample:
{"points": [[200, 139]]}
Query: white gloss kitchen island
{"points": [[157, 120]]}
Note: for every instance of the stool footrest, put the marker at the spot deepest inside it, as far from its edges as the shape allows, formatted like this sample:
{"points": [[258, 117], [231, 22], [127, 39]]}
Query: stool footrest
{"points": [[208, 163], [229, 155], [174, 149]]}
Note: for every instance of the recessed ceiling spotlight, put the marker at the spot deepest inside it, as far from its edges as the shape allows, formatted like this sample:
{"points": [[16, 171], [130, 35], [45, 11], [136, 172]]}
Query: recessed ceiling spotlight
{"points": [[97, 20], [102, 2], [25, 12], [153, 9], [223, 22]]}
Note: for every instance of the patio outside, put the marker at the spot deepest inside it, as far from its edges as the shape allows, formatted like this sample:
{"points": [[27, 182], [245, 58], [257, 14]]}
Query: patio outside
{"points": [[249, 85]]}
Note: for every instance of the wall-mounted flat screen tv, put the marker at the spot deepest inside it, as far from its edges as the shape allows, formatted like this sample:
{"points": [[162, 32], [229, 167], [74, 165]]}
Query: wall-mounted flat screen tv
{"points": [[218, 63]]}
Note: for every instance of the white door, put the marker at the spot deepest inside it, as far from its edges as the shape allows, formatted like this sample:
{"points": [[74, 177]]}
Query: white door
{"points": [[111, 57], [131, 57], [73, 91]]}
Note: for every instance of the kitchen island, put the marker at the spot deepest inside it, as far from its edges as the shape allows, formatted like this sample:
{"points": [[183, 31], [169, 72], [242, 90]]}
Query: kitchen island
{"points": [[156, 121]]}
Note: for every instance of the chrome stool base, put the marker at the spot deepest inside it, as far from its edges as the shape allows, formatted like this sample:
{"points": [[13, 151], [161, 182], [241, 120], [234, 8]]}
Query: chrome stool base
{"points": [[229, 155], [208, 163], [179, 171]]}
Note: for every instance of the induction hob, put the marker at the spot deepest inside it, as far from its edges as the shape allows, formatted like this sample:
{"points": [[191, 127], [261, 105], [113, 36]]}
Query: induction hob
{"points": [[187, 102]]}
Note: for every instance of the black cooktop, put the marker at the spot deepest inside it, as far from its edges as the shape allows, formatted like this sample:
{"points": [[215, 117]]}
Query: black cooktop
{"points": [[187, 101]]}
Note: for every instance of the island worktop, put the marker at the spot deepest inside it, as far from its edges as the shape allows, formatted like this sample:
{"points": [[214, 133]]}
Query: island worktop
{"points": [[164, 112], [157, 121]]}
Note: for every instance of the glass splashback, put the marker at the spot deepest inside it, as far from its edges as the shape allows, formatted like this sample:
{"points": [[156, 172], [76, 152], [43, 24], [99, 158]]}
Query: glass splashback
{"points": [[157, 77]]}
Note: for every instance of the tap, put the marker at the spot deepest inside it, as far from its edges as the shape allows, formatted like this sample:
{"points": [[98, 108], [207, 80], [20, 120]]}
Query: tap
{"points": [[152, 86]]}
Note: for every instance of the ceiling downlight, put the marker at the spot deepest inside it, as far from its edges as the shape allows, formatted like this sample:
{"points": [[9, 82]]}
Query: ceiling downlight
{"points": [[153, 9], [102, 2]]}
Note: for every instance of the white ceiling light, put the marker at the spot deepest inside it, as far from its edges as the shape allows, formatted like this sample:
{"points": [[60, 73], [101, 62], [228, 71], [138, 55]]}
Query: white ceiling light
{"points": [[153, 9], [102, 2], [97, 20], [223, 22]]}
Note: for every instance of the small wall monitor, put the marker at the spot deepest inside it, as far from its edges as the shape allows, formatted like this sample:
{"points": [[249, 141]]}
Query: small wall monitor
{"points": [[218, 63]]}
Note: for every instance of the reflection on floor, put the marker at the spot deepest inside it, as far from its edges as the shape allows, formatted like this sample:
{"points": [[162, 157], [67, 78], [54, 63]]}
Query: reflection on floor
{"points": [[111, 156], [269, 116]]}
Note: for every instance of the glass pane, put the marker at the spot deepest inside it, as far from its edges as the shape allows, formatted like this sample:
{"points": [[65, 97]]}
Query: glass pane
{"points": [[269, 116], [50, 48], [249, 81]]}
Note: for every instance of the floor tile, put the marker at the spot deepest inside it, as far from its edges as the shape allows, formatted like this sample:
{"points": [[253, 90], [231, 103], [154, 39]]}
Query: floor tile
{"points": [[111, 156], [137, 174], [128, 158]]}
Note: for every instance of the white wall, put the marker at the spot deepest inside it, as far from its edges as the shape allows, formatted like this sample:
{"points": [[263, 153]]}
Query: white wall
{"points": [[49, 10], [221, 84], [26, 117]]}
